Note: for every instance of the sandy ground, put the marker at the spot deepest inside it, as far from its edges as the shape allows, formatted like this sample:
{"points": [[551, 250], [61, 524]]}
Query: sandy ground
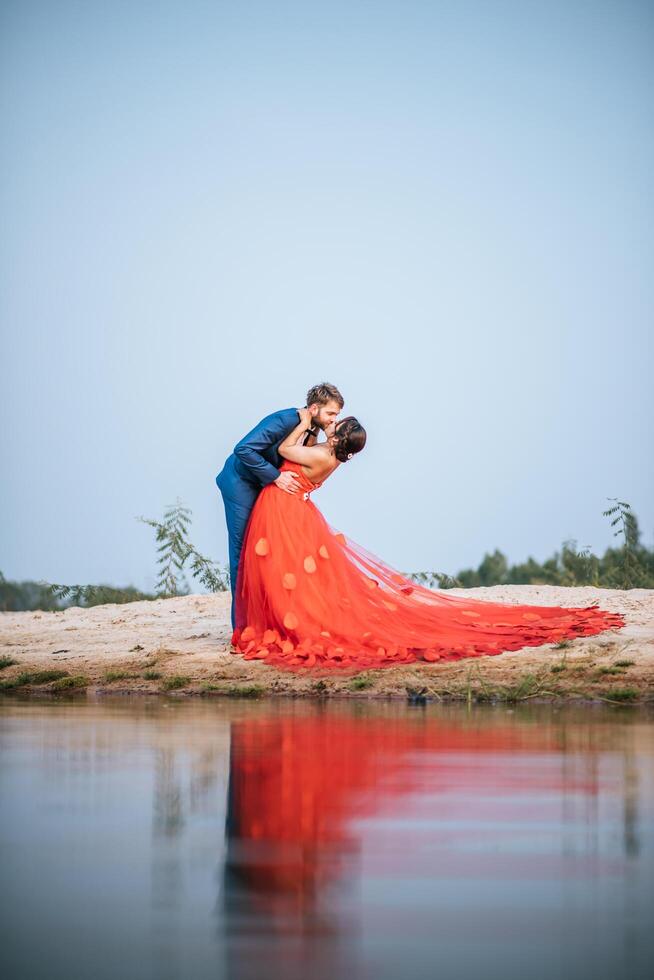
{"points": [[189, 636]]}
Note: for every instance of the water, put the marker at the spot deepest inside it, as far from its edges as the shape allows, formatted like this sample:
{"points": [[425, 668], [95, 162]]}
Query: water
{"points": [[221, 839]]}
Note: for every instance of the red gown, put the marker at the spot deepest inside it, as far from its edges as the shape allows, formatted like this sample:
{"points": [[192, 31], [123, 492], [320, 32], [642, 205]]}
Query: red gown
{"points": [[309, 597]]}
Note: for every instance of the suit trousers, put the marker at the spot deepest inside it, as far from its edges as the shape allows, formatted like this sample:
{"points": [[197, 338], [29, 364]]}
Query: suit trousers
{"points": [[239, 497]]}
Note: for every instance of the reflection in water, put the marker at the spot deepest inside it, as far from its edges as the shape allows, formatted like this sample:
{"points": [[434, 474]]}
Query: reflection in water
{"points": [[415, 803], [227, 840], [287, 849], [167, 817]]}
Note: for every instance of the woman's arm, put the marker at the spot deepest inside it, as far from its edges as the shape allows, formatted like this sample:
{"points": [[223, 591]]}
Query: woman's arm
{"points": [[291, 449], [306, 437]]}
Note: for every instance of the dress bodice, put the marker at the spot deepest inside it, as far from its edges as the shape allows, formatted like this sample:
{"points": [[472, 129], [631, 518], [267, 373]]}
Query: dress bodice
{"points": [[306, 485]]}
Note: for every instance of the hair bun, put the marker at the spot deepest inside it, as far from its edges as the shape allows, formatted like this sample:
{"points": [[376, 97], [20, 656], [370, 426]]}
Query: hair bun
{"points": [[350, 438]]}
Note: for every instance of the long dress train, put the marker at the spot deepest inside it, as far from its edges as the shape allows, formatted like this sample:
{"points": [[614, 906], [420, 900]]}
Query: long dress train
{"points": [[307, 596]]}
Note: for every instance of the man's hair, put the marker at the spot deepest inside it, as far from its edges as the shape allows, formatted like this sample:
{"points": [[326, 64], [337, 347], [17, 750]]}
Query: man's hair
{"points": [[321, 394]]}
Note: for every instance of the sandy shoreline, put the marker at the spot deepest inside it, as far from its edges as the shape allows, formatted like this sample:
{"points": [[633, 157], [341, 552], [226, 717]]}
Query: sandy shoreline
{"points": [[189, 636]]}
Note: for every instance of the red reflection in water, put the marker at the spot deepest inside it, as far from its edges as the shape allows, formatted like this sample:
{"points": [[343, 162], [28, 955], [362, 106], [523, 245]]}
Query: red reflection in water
{"points": [[298, 783]]}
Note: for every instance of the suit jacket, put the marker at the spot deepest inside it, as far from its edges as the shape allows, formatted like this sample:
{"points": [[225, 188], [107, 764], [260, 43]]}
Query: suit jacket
{"points": [[256, 457]]}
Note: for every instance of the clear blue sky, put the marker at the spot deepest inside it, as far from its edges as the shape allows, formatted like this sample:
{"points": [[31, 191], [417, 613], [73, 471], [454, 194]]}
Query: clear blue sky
{"points": [[445, 208]]}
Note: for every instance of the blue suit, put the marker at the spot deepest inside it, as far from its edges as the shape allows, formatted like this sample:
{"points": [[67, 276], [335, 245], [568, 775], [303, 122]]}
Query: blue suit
{"points": [[253, 465]]}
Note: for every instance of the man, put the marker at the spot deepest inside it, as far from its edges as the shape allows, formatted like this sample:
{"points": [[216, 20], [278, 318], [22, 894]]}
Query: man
{"points": [[255, 463]]}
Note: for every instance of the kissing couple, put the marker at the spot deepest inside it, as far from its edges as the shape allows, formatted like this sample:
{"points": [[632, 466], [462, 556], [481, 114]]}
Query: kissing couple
{"points": [[304, 595]]}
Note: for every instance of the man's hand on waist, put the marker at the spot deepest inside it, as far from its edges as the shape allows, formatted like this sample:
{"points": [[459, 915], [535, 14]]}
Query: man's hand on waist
{"points": [[288, 482]]}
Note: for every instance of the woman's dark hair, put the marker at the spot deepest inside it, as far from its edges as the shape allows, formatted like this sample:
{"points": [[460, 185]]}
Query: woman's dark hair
{"points": [[351, 438]]}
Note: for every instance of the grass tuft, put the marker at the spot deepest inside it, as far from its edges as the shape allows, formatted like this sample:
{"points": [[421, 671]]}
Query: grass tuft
{"points": [[18, 681], [361, 683], [7, 662], [175, 681], [45, 676], [65, 683], [622, 694], [116, 675], [32, 677], [245, 691]]}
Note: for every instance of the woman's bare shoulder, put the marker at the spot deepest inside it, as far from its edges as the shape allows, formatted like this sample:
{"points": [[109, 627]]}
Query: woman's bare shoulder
{"points": [[322, 450], [323, 463]]}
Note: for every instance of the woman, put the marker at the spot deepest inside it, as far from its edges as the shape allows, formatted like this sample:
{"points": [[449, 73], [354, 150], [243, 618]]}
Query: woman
{"points": [[310, 597]]}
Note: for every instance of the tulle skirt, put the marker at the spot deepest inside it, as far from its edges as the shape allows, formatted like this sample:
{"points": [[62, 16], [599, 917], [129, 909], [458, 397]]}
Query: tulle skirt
{"points": [[310, 597]]}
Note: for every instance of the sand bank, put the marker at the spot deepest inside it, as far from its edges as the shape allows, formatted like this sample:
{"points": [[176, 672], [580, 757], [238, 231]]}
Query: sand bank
{"points": [[189, 637]]}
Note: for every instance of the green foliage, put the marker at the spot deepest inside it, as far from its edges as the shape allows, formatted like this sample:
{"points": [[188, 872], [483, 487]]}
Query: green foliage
{"points": [[65, 683], [632, 570], [27, 595], [152, 675], [174, 681], [245, 691], [12, 682], [175, 551], [361, 682], [45, 676], [7, 662], [628, 567], [622, 694], [208, 572], [172, 547], [32, 677], [233, 690], [17, 596], [440, 580], [94, 595], [116, 675], [529, 686]]}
